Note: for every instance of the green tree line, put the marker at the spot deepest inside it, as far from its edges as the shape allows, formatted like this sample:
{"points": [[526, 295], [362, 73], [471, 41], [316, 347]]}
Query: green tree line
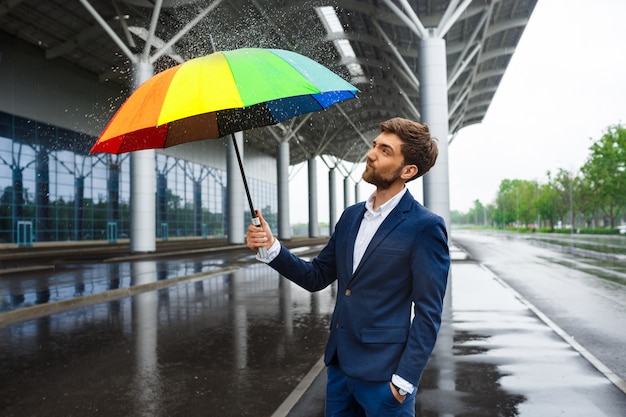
{"points": [[593, 197]]}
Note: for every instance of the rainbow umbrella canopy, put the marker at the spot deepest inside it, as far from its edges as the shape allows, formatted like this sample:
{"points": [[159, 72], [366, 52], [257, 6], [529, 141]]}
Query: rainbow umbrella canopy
{"points": [[218, 94]]}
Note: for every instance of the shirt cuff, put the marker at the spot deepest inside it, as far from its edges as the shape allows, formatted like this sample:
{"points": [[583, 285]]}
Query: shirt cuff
{"points": [[402, 383], [272, 252]]}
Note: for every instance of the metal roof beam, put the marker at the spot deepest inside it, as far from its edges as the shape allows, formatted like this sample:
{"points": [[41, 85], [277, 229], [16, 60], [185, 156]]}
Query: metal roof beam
{"points": [[498, 72], [458, 101], [507, 25], [291, 132], [184, 30], [129, 54], [465, 55], [464, 63], [490, 89], [395, 51], [325, 143], [406, 98], [412, 21], [451, 16], [156, 11], [496, 53], [471, 80], [367, 142], [123, 24]]}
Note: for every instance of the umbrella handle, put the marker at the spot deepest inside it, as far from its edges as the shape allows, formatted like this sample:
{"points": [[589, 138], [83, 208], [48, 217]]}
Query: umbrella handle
{"points": [[262, 250], [255, 220]]}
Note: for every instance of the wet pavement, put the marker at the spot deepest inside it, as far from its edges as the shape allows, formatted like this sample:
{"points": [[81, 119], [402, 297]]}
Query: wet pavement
{"points": [[193, 349], [244, 341], [495, 357], [585, 295]]}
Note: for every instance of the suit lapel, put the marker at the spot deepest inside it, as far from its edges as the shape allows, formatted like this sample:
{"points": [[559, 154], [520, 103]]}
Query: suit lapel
{"points": [[353, 230], [392, 221]]}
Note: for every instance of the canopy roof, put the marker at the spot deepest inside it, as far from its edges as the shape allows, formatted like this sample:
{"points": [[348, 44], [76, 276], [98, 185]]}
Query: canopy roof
{"points": [[371, 43]]}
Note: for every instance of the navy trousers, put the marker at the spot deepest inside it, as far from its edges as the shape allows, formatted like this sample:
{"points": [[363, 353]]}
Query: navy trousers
{"points": [[349, 397]]}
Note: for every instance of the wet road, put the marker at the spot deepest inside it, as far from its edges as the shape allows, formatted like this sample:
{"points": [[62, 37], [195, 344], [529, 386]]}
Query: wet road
{"points": [[222, 335], [582, 293]]}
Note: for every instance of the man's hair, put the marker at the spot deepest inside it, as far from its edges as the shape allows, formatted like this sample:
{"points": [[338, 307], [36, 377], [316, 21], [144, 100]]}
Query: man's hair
{"points": [[419, 148]]}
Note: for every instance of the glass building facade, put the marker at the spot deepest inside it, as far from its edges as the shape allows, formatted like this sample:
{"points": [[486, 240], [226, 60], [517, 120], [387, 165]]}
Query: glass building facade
{"points": [[52, 190]]}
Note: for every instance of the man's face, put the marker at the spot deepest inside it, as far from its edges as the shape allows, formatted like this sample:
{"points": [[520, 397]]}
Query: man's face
{"points": [[384, 161]]}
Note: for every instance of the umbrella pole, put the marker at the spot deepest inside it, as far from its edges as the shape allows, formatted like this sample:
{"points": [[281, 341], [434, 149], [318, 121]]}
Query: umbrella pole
{"points": [[255, 220]]}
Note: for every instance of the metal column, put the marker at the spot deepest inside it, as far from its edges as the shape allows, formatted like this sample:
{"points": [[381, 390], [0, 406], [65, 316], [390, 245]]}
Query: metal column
{"points": [[284, 226], [434, 107], [332, 200], [235, 190], [314, 227], [346, 192], [142, 182]]}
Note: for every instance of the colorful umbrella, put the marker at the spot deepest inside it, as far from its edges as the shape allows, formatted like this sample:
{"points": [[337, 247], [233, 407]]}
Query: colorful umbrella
{"points": [[219, 94]]}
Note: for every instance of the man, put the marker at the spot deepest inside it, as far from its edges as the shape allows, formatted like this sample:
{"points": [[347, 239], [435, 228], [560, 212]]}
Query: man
{"points": [[386, 254]]}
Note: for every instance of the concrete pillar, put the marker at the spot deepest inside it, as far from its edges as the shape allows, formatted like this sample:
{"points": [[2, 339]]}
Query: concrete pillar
{"points": [[332, 200], [434, 108], [357, 193], [236, 193], [346, 192], [314, 224], [142, 182], [284, 226]]}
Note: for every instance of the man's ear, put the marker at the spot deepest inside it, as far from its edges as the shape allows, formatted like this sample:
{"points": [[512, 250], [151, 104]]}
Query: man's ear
{"points": [[409, 171]]}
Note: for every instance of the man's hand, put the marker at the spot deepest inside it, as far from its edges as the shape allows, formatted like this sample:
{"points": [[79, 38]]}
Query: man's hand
{"points": [[396, 394], [259, 236]]}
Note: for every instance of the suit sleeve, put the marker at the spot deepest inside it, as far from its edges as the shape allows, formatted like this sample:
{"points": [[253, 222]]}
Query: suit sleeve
{"points": [[312, 275], [430, 263]]}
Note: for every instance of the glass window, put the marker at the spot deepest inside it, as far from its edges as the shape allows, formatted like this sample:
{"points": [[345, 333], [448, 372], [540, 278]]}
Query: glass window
{"points": [[48, 178]]}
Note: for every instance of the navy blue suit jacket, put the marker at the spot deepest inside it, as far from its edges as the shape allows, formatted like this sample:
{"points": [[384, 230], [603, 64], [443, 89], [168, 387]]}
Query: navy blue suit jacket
{"points": [[371, 334]]}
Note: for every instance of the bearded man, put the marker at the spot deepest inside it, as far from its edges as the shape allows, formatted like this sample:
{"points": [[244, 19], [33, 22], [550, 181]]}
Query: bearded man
{"points": [[390, 258]]}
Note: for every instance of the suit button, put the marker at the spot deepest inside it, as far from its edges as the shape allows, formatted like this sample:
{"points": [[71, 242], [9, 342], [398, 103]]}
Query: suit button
{"points": [[348, 293]]}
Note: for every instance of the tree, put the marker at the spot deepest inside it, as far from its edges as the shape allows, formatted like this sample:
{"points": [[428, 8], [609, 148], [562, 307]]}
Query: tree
{"points": [[548, 194], [516, 203], [605, 170], [564, 201], [477, 214]]}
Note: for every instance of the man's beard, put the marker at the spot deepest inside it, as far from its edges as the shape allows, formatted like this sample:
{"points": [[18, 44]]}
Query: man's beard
{"points": [[379, 180]]}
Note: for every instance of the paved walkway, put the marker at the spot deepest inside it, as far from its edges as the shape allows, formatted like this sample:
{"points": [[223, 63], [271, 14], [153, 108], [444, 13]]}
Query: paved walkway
{"points": [[495, 355]]}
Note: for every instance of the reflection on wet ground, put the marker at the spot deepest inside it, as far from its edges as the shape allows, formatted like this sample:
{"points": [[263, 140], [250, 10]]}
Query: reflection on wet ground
{"points": [[237, 343], [602, 256], [195, 349], [494, 357], [75, 280]]}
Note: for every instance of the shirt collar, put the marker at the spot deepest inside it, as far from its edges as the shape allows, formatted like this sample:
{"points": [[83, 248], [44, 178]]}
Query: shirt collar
{"points": [[386, 208]]}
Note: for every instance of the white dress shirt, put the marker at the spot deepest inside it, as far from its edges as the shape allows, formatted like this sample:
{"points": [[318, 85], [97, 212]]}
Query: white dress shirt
{"points": [[371, 222]]}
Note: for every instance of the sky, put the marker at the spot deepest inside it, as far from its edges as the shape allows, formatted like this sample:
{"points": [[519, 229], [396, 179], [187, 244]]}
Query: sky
{"points": [[564, 86]]}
